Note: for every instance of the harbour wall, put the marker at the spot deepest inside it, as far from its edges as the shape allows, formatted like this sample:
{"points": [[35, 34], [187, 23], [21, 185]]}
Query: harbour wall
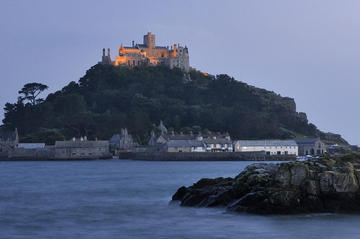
{"points": [[204, 156], [48, 154], [43, 154]]}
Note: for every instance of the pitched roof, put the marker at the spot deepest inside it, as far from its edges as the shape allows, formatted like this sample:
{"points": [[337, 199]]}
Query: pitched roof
{"points": [[217, 141], [115, 138], [306, 140], [81, 144], [266, 143], [31, 145], [182, 137], [185, 143]]}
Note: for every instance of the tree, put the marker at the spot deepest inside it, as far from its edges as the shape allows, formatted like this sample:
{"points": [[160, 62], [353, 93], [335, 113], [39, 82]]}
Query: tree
{"points": [[31, 91]]}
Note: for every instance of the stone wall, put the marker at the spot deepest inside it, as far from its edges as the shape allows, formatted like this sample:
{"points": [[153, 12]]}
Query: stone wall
{"points": [[46, 153], [204, 156]]}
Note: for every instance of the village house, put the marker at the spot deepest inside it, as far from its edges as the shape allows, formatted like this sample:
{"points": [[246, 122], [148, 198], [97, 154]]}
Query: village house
{"points": [[310, 146], [172, 142], [270, 147], [218, 143], [82, 149], [185, 146]]}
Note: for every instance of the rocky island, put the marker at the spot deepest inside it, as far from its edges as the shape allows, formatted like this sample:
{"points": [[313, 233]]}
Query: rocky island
{"points": [[327, 184]]}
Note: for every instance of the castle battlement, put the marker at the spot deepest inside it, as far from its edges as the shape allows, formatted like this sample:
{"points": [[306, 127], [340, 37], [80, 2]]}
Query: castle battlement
{"points": [[149, 54]]}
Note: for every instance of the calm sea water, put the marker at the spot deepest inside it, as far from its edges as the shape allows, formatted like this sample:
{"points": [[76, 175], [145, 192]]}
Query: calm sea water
{"points": [[130, 199]]}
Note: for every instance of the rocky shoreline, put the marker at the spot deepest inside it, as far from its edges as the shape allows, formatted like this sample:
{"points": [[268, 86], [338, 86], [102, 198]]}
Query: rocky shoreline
{"points": [[326, 184]]}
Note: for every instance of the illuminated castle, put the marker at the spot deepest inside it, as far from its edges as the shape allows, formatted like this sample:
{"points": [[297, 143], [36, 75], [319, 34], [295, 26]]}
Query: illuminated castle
{"points": [[149, 54]]}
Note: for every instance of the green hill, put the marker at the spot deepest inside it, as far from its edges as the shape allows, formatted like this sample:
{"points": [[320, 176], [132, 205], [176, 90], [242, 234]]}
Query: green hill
{"points": [[109, 98]]}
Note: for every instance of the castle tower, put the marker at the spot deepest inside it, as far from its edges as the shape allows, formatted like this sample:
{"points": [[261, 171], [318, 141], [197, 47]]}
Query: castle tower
{"points": [[121, 50], [149, 40], [174, 54], [106, 59]]}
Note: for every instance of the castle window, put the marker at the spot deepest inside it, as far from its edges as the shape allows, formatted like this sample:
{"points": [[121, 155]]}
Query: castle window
{"points": [[162, 55], [134, 62]]}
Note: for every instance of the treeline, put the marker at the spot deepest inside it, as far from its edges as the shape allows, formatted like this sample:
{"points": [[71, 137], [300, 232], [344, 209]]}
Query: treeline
{"points": [[109, 98]]}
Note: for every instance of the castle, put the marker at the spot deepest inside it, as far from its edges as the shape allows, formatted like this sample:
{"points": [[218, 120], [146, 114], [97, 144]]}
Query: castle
{"points": [[149, 54]]}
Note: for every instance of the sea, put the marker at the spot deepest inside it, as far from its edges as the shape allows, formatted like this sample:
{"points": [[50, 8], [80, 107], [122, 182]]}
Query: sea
{"points": [[131, 199]]}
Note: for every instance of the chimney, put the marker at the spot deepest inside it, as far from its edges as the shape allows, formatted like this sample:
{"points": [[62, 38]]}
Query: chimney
{"points": [[108, 52], [103, 51], [133, 43]]}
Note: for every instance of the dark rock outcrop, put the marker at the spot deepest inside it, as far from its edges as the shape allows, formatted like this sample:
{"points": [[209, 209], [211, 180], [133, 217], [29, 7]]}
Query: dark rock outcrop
{"points": [[331, 138], [318, 185]]}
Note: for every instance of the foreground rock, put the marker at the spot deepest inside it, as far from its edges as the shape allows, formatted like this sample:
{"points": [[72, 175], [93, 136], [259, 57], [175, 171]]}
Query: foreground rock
{"points": [[318, 185]]}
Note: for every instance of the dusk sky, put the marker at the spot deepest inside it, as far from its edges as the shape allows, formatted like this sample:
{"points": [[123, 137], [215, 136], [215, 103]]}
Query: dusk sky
{"points": [[308, 50]]}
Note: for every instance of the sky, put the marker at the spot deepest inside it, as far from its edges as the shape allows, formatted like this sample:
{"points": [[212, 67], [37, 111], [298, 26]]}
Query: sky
{"points": [[305, 49]]}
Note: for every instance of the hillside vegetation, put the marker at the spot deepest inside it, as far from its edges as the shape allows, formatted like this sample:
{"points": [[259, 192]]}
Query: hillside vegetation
{"points": [[109, 98]]}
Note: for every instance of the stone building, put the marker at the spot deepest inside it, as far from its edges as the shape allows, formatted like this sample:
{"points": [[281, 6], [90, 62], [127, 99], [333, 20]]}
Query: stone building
{"points": [[172, 142], [82, 149], [9, 140], [185, 146], [310, 146], [122, 142], [270, 147], [149, 54], [218, 143]]}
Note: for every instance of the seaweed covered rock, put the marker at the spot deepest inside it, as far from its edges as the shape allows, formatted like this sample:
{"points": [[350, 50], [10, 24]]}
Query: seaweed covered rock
{"points": [[317, 185]]}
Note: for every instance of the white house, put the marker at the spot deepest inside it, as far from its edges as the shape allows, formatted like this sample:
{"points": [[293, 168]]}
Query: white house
{"points": [[271, 147], [185, 146], [218, 143]]}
